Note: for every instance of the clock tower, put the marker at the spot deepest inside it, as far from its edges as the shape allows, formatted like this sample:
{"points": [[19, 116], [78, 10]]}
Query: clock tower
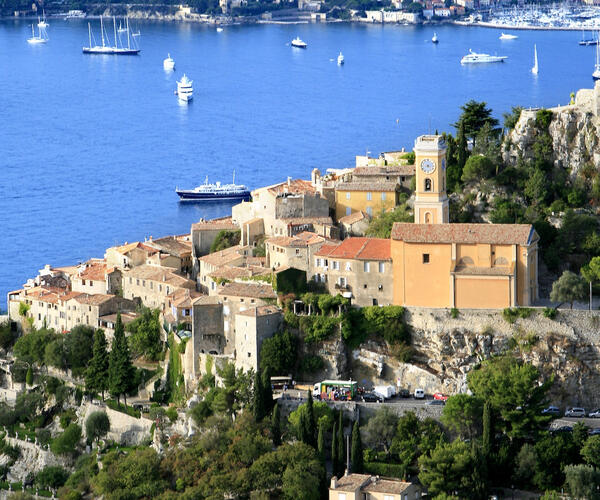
{"points": [[431, 201]]}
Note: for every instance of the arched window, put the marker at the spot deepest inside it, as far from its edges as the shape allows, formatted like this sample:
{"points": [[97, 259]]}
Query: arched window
{"points": [[466, 261], [427, 217], [427, 184]]}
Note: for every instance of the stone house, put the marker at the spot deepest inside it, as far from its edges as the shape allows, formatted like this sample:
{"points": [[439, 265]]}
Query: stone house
{"points": [[86, 309], [204, 233], [175, 251], [236, 256], [129, 255], [358, 268], [179, 308], [292, 251], [323, 226], [207, 327], [370, 197], [152, 284], [355, 224], [367, 487], [252, 326], [95, 276]]}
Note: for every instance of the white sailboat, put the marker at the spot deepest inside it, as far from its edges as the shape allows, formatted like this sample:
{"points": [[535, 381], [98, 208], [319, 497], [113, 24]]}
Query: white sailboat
{"points": [[107, 49], [535, 68], [434, 38], [340, 59], [42, 36], [596, 73]]}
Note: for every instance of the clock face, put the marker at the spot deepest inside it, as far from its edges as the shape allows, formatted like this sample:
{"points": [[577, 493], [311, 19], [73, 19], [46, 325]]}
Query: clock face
{"points": [[427, 166]]}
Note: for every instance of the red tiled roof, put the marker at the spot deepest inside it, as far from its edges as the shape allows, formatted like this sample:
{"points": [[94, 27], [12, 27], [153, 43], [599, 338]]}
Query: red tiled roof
{"points": [[359, 248], [248, 290], [385, 170], [353, 218], [498, 234], [214, 224], [296, 186]]}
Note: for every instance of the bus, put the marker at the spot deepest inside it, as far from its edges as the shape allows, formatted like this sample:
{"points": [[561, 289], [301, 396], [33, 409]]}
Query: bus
{"points": [[280, 382], [336, 390]]}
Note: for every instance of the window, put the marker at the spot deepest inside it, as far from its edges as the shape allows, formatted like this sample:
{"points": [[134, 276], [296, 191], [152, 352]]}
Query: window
{"points": [[160, 288], [249, 355], [382, 196], [335, 265], [342, 282], [425, 258], [381, 267], [374, 302], [427, 184], [369, 211], [318, 263], [83, 282], [137, 282], [369, 196], [144, 283], [297, 251], [347, 196], [348, 266], [348, 210], [151, 285], [366, 267], [130, 280]]}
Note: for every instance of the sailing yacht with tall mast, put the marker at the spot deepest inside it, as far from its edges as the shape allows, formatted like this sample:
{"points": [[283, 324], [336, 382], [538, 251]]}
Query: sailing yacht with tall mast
{"points": [[42, 36], [596, 73], [108, 49], [535, 70], [42, 23]]}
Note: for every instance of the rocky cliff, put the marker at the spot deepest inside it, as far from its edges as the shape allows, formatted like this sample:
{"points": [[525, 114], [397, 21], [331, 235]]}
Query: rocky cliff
{"points": [[575, 132], [447, 348]]}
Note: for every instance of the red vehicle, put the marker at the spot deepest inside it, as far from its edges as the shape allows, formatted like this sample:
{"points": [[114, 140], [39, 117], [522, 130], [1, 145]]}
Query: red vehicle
{"points": [[439, 396]]}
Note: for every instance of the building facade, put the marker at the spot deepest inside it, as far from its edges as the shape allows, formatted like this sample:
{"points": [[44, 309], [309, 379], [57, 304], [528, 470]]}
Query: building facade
{"points": [[252, 326], [367, 487], [431, 200]]}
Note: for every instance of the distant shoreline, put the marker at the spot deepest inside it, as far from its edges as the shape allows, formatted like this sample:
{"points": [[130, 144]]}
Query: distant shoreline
{"points": [[482, 24]]}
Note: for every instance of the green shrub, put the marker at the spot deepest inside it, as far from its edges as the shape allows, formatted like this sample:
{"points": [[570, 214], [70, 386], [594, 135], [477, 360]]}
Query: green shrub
{"points": [[510, 314], [51, 477], [318, 328], [550, 312], [454, 313], [43, 436], [386, 470], [311, 363], [67, 417], [172, 414]]}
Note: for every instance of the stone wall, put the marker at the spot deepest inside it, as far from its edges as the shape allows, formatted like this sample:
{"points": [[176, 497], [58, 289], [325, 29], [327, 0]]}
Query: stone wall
{"points": [[124, 429]]}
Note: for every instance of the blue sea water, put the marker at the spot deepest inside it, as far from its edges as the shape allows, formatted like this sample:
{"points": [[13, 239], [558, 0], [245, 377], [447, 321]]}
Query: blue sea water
{"points": [[92, 147]]}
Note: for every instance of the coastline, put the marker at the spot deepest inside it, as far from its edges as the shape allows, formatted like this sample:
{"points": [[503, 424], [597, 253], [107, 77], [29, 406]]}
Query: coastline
{"points": [[483, 24]]}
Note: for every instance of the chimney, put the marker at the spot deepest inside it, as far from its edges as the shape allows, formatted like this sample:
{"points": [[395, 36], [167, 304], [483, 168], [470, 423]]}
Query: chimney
{"points": [[333, 484], [289, 181], [164, 277]]}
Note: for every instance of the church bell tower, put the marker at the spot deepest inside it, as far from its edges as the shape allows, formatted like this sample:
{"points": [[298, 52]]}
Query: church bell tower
{"points": [[431, 200]]}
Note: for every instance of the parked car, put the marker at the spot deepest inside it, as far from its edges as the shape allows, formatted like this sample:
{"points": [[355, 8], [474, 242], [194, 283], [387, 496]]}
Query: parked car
{"points": [[419, 394], [564, 428], [575, 412], [404, 393], [436, 402], [594, 413], [551, 410], [439, 396], [594, 432], [372, 397]]}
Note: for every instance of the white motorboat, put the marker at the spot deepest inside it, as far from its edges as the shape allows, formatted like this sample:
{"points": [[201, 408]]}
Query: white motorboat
{"points": [[298, 43], [42, 36], [340, 59], [475, 58], [596, 73], [434, 38], [508, 36], [169, 63], [219, 29], [185, 91], [42, 23], [535, 70]]}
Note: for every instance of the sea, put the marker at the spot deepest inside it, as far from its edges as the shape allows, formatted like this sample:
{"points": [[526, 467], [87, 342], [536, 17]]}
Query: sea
{"points": [[92, 147]]}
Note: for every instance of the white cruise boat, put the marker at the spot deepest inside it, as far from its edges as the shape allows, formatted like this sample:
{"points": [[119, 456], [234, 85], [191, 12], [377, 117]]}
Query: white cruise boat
{"points": [[475, 58], [297, 42], [434, 38], [42, 36], [340, 59], [185, 91], [508, 36], [215, 192], [169, 63]]}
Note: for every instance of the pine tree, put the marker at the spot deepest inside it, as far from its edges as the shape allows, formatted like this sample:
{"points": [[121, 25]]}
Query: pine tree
{"points": [[356, 456], [267, 391], [311, 425], [340, 444], [259, 398], [334, 451], [321, 442], [96, 376], [120, 369], [276, 426]]}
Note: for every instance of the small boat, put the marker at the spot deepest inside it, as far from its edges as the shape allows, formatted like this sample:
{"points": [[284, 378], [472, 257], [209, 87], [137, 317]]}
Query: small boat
{"points": [[185, 90], [40, 38], [169, 63], [434, 38], [298, 43], [214, 192], [475, 58], [219, 29], [596, 73], [535, 68], [340, 59], [508, 36], [587, 41]]}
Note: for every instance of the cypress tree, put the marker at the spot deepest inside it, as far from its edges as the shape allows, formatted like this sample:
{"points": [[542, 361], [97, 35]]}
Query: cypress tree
{"points": [[356, 455], [462, 152], [486, 438], [321, 442], [311, 426], [120, 369], [259, 398], [334, 451], [340, 444], [267, 391], [96, 376], [276, 426], [29, 376], [303, 428]]}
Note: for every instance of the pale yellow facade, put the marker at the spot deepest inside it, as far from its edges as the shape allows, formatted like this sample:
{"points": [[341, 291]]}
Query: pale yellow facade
{"points": [[372, 202], [367, 487], [431, 200]]}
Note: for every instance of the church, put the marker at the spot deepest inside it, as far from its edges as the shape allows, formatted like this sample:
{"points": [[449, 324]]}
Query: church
{"points": [[439, 264]]}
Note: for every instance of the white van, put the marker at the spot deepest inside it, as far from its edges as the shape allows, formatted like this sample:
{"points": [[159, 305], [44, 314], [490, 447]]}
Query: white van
{"points": [[419, 394]]}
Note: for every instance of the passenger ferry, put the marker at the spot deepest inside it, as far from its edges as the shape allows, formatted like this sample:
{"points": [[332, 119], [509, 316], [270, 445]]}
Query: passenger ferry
{"points": [[215, 192]]}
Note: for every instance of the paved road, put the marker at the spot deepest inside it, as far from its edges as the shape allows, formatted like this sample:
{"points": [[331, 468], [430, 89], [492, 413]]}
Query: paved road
{"points": [[592, 423]]}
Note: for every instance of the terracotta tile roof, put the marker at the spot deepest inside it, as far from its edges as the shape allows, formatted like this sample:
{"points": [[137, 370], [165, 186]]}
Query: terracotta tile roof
{"points": [[307, 220], [370, 186], [327, 249], [256, 261], [260, 311], [172, 246], [353, 218], [295, 186], [389, 486], [126, 317], [351, 482], [223, 257], [183, 297], [165, 275], [215, 224], [70, 270], [44, 294], [205, 299], [233, 272], [248, 290], [359, 248], [499, 234], [94, 270], [128, 247], [385, 170], [68, 296], [93, 299]]}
